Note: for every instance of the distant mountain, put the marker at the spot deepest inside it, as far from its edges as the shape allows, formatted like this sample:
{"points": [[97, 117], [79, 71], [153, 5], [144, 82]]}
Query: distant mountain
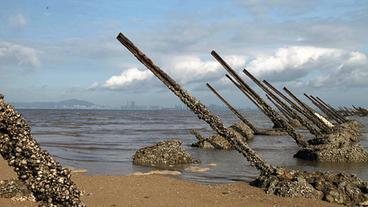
{"points": [[66, 104]]}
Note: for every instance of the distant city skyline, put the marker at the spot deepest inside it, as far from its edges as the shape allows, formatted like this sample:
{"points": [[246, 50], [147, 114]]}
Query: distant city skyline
{"points": [[58, 50]]}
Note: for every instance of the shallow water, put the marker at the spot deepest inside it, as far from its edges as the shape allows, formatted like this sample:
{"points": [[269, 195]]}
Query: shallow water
{"points": [[103, 142]]}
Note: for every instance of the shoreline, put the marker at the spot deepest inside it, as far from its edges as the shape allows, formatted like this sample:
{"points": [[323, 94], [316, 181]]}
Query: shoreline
{"points": [[163, 190]]}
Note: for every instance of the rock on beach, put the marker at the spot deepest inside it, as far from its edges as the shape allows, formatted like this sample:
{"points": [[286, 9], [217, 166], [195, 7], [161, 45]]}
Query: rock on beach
{"points": [[163, 154]]}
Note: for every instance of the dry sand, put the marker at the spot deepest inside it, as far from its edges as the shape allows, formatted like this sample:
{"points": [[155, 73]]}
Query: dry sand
{"points": [[160, 190]]}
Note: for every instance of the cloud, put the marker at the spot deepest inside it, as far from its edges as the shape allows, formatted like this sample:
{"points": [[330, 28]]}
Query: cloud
{"points": [[353, 72], [126, 78], [293, 62], [295, 66], [188, 69], [311, 66], [18, 21], [11, 53]]}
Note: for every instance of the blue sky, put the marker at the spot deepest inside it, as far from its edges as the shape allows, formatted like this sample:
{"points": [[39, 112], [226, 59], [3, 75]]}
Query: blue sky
{"points": [[55, 50]]}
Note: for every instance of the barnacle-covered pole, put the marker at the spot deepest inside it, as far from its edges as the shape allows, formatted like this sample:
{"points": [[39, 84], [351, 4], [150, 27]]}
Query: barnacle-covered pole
{"points": [[325, 110], [306, 108], [332, 109], [282, 104], [198, 135], [48, 181], [286, 114], [236, 112], [245, 93], [199, 109], [202, 140], [320, 107], [275, 118], [272, 114], [296, 107]]}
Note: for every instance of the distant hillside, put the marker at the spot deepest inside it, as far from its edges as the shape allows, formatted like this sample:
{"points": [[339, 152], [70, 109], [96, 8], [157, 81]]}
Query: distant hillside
{"points": [[66, 104]]}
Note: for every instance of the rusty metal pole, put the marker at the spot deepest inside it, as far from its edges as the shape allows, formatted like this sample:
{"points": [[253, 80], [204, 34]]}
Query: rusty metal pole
{"points": [[279, 107], [322, 108], [198, 108], [273, 115], [245, 93], [282, 104], [236, 112], [266, 108], [332, 109], [198, 136], [349, 110], [320, 123], [295, 106], [202, 139]]}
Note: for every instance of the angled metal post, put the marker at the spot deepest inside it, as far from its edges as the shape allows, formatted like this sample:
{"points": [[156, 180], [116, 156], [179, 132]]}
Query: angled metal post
{"points": [[236, 112], [199, 109]]}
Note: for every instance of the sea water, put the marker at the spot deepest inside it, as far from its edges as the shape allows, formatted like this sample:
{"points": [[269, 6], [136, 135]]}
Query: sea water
{"points": [[104, 141]]}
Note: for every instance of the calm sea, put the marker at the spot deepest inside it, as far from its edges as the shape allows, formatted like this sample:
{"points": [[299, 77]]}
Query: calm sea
{"points": [[103, 142]]}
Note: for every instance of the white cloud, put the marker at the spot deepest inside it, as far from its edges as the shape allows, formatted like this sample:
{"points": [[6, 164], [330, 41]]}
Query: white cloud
{"points": [[292, 58], [184, 69], [312, 66], [191, 68], [11, 53], [298, 66], [357, 58], [126, 78], [18, 21], [352, 72]]}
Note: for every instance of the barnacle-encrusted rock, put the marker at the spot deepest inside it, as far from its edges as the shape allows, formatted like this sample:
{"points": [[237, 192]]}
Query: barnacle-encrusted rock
{"points": [[332, 187], [49, 182], [338, 146], [163, 154], [352, 127]]}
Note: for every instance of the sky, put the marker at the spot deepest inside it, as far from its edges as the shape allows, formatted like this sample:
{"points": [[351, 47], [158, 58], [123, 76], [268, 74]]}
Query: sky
{"points": [[57, 50]]}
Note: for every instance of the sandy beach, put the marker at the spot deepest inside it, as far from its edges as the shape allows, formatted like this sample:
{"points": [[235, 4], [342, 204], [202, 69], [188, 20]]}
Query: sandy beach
{"points": [[160, 190]]}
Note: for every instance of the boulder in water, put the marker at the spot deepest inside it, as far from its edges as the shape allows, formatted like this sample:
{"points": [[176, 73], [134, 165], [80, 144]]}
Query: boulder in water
{"points": [[163, 154], [338, 146]]}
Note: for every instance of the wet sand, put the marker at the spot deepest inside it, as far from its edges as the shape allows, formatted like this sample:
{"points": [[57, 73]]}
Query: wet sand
{"points": [[160, 190]]}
